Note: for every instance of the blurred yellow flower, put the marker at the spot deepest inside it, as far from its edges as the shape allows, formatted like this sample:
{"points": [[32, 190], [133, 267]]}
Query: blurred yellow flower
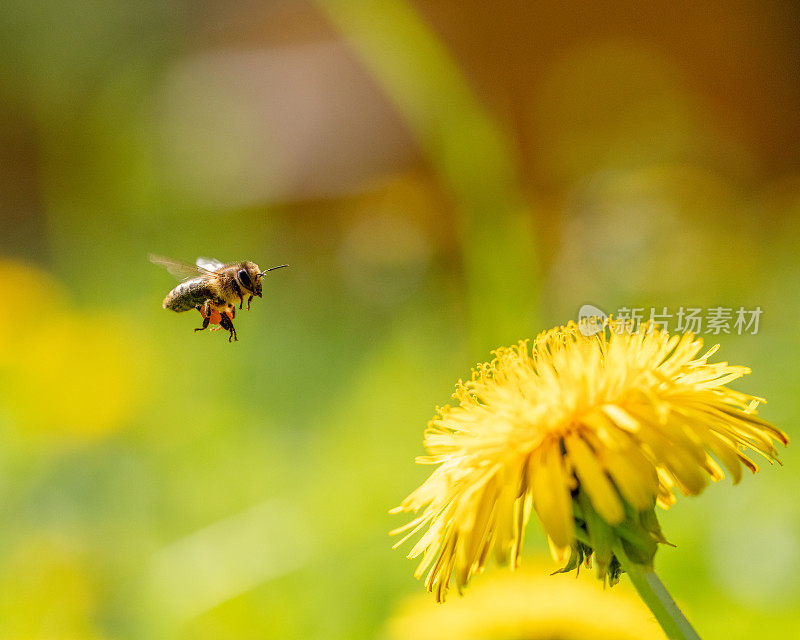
{"points": [[78, 377], [46, 592], [36, 297], [65, 371], [532, 606], [589, 432]]}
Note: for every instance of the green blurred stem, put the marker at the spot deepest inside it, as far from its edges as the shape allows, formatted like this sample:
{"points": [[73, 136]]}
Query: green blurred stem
{"points": [[657, 598], [471, 153]]}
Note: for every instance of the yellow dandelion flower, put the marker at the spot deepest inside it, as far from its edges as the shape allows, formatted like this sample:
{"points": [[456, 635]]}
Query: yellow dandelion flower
{"points": [[589, 432], [530, 605]]}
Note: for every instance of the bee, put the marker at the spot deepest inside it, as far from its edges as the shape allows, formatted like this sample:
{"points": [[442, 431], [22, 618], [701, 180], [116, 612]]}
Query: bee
{"points": [[213, 288]]}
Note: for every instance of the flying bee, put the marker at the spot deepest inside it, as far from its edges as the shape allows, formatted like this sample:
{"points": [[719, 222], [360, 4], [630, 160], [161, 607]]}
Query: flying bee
{"points": [[213, 288]]}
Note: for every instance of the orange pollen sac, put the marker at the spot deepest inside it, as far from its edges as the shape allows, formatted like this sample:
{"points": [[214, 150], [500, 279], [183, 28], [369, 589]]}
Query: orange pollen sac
{"points": [[214, 317]]}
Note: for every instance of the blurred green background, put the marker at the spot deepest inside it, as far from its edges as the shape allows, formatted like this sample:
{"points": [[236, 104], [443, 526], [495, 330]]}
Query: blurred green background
{"points": [[444, 178]]}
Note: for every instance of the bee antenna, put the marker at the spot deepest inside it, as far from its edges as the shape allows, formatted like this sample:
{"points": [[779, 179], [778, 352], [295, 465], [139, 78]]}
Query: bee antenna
{"points": [[280, 266]]}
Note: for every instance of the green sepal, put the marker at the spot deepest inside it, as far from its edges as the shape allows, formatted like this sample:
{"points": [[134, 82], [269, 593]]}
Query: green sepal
{"points": [[601, 536], [615, 570], [639, 543], [637, 537], [640, 546], [576, 556], [649, 521]]}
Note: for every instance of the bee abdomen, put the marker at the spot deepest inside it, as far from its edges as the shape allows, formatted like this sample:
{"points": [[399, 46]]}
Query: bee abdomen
{"points": [[187, 295]]}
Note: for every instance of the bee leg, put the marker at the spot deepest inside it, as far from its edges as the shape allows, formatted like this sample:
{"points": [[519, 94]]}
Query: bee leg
{"points": [[225, 323], [205, 311], [205, 324], [241, 302], [249, 300]]}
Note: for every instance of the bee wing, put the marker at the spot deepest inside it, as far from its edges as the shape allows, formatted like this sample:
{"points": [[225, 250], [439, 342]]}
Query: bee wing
{"points": [[179, 269], [210, 264]]}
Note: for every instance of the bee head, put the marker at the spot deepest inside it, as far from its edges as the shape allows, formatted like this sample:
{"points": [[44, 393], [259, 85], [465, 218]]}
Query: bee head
{"points": [[249, 276]]}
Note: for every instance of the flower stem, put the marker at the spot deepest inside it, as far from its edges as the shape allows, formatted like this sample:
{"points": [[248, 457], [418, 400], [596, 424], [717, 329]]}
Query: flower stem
{"points": [[657, 598]]}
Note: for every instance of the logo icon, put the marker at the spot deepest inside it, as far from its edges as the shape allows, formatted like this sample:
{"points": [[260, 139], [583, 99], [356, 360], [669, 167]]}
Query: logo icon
{"points": [[591, 320]]}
